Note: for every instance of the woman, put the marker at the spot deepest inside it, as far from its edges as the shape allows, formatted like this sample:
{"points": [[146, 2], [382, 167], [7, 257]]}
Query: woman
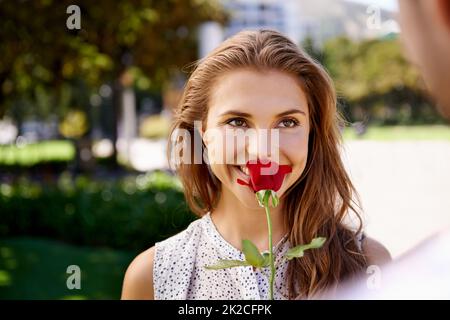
{"points": [[258, 82]]}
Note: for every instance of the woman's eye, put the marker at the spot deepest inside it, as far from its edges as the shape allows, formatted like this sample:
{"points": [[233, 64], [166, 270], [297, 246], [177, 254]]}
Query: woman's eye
{"points": [[237, 122], [289, 123], [286, 123]]}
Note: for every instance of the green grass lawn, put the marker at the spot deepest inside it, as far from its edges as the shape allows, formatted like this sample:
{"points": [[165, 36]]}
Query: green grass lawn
{"points": [[33, 268], [30, 154], [441, 132]]}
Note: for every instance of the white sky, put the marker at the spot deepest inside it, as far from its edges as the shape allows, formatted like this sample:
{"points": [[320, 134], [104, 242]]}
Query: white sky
{"points": [[385, 4]]}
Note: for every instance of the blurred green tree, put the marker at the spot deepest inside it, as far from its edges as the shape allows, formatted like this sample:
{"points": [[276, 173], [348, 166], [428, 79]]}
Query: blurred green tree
{"points": [[123, 42], [376, 83]]}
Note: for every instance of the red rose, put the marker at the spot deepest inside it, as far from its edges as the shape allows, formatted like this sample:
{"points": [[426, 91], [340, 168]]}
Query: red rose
{"points": [[258, 181], [265, 187]]}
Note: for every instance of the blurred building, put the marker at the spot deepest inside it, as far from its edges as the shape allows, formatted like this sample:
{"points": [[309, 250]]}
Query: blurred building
{"points": [[300, 19]]}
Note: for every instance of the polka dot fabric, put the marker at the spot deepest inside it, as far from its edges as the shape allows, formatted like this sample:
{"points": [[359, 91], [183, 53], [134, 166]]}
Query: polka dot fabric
{"points": [[179, 273]]}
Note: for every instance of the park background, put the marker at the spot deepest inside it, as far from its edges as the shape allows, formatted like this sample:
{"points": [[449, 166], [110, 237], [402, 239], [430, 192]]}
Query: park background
{"points": [[85, 113]]}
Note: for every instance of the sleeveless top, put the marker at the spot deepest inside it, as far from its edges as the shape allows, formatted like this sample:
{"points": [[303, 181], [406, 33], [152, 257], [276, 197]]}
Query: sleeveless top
{"points": [[179, 273]]}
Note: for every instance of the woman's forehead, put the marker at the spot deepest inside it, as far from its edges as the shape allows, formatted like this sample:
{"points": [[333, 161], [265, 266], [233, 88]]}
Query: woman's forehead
{"points": [[255, 92]]}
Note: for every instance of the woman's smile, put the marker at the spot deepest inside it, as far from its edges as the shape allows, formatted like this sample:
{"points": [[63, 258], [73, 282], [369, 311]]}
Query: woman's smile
{"points": [[240, 172]]}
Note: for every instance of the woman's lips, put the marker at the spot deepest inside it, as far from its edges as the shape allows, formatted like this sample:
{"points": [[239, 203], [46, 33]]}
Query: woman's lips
{"points": [[239, 170], [242, 172]]}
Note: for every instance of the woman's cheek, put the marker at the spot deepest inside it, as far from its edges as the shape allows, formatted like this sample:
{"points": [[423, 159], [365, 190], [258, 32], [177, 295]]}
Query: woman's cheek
{"points": [[234, 148], [295, 150], [217, 147], [294, 146]]}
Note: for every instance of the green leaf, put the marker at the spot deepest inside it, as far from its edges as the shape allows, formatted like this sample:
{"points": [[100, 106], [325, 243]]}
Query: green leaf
{"points": [[266, 257], [252, 254], [299, 251], [224, 264]]}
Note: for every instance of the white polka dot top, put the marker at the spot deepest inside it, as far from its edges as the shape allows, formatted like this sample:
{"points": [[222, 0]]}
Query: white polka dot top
{"points": [[179, 273]]}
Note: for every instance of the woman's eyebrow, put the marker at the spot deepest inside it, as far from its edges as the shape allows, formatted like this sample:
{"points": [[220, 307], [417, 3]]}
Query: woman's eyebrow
{"points": [[248, 115]]}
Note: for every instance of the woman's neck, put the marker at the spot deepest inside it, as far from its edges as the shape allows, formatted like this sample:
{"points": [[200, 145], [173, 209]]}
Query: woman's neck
{"points": [[235, 222]]}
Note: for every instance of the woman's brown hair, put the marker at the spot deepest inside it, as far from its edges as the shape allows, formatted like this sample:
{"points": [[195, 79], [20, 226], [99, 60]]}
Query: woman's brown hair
{"points": [[320, 200]]}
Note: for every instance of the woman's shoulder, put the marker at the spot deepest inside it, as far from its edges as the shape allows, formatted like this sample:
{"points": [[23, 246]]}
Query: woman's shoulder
{"points": [[138, 280]]}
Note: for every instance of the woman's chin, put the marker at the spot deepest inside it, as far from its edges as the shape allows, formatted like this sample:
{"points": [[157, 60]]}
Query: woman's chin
{"points": [[246, 197], [255, 205], [251, 205], [244, 194]]}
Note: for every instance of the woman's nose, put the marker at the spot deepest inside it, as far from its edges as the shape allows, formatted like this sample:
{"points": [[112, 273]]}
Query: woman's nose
{"points": [[263, 145]]}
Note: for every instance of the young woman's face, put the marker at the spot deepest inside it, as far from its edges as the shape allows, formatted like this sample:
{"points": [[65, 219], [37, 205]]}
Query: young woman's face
{"points": [[269, 102]]}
